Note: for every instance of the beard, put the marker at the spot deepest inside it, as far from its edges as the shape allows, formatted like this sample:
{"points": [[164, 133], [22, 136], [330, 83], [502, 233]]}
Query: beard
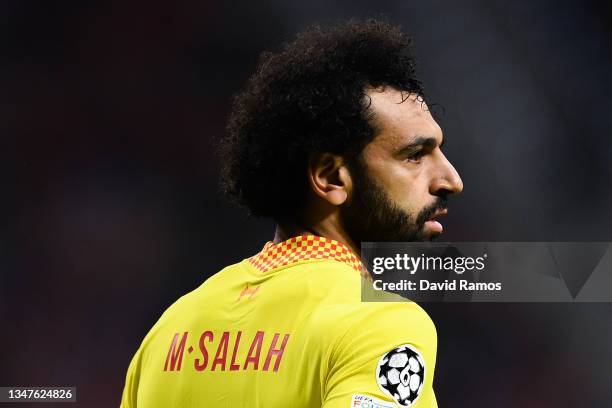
{"points": [[371, 216]]}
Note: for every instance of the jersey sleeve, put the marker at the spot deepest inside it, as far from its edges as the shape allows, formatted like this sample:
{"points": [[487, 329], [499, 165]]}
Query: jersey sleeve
{"points": [[130, 390], [386, 358]]}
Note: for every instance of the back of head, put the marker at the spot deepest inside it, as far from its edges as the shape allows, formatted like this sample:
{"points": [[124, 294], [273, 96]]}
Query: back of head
{"points": [[308, 98]]}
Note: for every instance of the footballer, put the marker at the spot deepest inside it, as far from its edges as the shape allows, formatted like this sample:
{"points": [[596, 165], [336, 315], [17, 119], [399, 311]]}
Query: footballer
{"points": [[333, 140]]}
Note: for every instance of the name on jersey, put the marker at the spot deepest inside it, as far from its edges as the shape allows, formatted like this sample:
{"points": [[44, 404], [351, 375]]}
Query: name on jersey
{"points": [[233, 351]]}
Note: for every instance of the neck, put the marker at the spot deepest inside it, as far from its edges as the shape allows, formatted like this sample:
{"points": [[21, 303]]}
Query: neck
{"points": [[325, 228]]}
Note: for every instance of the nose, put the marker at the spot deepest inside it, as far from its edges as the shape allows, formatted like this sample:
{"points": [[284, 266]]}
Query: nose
{"points": [[446, 179]]}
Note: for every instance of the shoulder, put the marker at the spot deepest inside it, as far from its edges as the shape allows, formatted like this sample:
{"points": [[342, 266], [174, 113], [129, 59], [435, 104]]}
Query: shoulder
{"points": [[185, 305], [378, 320], [356, 330], [375, 340]]}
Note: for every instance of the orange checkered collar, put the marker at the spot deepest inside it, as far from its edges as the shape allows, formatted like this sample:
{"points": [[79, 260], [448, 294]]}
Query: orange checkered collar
{"points": [[303, 248]]}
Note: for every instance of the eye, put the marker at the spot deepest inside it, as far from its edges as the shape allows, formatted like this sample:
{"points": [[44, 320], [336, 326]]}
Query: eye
{"points": [[415, 157]]}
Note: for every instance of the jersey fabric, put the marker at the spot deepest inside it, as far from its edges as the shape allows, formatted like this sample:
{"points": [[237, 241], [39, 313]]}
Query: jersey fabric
{"points": [[284, 328]]}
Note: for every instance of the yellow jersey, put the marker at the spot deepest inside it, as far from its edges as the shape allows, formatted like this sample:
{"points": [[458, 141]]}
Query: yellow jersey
{"points": [[286, 328]]}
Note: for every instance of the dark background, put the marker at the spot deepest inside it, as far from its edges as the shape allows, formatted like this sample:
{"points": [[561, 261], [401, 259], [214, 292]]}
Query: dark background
{"points": [[111, 211]]}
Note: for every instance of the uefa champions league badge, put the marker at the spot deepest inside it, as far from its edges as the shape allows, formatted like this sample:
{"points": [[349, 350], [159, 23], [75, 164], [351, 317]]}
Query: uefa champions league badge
{"points": [[365, 401], [401, 374]]}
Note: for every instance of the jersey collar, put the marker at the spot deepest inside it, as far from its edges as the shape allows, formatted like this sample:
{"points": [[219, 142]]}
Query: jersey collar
{"points": [[303, 248]]}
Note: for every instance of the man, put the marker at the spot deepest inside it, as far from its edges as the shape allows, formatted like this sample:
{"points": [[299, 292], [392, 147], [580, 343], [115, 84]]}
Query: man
{"points": [[333, 140]]}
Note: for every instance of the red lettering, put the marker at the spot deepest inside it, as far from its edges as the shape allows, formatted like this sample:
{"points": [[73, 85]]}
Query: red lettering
{"points": [[233, 366], [278, 353], [201, 366], [175, 355], [221, 355], [254, 358]]}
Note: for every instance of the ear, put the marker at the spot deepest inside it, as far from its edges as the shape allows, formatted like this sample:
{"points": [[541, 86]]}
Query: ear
{"points": [[329, 178]]}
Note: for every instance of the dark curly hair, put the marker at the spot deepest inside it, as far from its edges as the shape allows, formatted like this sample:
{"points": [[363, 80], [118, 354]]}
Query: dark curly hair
{"points": [[309, 97]]}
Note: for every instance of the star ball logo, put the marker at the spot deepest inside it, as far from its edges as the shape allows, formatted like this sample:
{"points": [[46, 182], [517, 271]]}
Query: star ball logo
{"points": [[401, 374]]}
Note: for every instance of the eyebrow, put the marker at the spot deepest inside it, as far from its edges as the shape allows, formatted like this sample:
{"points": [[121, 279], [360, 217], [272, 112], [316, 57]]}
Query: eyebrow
{"points": [[421, 141]]}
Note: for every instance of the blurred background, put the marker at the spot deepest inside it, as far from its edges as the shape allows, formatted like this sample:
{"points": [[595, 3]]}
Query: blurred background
{"points": [[109, 193]]}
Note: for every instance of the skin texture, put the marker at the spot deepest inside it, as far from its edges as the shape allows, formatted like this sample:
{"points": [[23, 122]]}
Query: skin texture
{"points": [[405, 172]]}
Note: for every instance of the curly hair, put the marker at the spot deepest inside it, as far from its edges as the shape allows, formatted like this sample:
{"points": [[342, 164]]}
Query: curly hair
{"points": [[309, 97]]}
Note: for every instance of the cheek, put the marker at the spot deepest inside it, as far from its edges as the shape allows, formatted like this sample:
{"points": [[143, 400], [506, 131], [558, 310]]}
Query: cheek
{"points": [[407, 188]]}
